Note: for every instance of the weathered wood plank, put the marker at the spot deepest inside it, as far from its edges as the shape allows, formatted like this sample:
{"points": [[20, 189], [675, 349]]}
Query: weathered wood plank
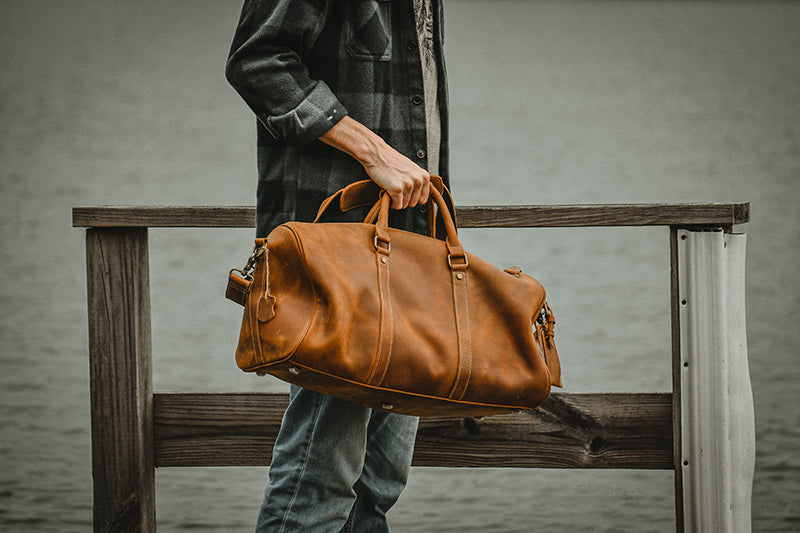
{"points": [[603, 215], [120, 366], [568, 431], [468, 216], [164, 216], [225, 429]]}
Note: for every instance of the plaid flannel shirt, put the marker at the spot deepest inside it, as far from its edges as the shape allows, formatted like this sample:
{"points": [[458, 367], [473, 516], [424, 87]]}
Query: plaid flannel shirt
{"points": [[301, 66]]}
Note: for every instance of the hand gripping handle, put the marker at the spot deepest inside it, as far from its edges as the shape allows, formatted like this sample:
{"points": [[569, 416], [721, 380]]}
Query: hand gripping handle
{"points": [[457, 257]]}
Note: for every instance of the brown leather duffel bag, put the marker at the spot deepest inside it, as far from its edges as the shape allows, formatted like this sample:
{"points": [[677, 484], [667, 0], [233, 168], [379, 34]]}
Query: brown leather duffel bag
{"points": [[394, 320]]}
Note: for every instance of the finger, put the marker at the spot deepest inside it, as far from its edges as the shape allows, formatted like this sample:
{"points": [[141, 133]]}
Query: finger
{"points": [[397, 198], [415, 195], [425, 191], [408, 194], [421, 188]]}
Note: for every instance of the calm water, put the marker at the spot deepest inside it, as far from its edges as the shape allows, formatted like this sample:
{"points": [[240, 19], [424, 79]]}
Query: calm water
{"points": [[111, 102]]}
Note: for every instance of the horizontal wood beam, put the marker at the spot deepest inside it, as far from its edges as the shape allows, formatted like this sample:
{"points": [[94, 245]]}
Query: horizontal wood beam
{"points": [[617, 430], [684, 215], [555, 216], [165, 216]]}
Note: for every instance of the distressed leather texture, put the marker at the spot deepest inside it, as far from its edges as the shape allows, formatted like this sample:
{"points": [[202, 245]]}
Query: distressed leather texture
{"points": [[394, 320]]}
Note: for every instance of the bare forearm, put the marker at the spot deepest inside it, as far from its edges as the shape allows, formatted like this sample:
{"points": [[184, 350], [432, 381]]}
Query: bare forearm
{"points": [[356, 140], [406, 183]]}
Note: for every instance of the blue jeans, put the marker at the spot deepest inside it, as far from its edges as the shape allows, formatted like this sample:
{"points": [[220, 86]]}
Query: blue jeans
{"points": [[336, 466]]}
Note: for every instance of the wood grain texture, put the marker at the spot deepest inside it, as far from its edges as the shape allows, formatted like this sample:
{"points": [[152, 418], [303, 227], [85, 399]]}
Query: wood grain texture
{"points": [[568, 431], [684, 215], [120, 366], [603, 215], [165, 216]]}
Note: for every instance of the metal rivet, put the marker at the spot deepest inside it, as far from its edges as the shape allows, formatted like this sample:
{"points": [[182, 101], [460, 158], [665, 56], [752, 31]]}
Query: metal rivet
{"points": [[384, 260], [387, 406], [294, 370], [460, 275]]}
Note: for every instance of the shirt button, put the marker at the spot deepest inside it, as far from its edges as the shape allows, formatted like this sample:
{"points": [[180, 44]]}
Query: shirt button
{"points": [[416, 99], [421, 153]]}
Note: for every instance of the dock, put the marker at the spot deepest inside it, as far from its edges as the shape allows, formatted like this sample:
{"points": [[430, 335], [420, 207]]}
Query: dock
{"points": [[703, 430]]}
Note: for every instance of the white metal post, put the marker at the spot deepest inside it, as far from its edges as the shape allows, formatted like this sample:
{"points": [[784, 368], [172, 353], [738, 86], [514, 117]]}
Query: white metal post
{"points": [[717, 417]]}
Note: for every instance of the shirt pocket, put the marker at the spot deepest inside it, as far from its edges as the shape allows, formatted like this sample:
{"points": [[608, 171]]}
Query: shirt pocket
{"points": [[368, 29]]}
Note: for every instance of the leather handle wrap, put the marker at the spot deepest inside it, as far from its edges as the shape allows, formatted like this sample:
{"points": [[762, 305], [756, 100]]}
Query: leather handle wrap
{"points": [[367, 192], [453, 242]]}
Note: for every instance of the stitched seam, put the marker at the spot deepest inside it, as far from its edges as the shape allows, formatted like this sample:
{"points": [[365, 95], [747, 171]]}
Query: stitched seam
{"points": [[312, 431], [380, 330], [458, 335], [391, 328], [254, 324], [407, 393], [257, 333], [469, 340], [253, 334], [304, 262]]}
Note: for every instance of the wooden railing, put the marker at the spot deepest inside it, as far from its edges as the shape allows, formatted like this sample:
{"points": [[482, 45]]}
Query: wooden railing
{"points": [[135, 430]]}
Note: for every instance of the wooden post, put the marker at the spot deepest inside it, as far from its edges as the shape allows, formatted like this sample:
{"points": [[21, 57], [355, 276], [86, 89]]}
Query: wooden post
{"points": [[675, 311], [120, 379], [743, 428], [717, 422]]}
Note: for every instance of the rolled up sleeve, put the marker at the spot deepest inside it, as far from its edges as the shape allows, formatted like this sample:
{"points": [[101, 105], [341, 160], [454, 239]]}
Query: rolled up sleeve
{"points": [[265, 66]]}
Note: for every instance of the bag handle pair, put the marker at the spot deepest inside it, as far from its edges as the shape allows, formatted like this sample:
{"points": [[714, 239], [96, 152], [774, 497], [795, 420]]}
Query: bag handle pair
{"points": [[365, 193], [457, 258]]}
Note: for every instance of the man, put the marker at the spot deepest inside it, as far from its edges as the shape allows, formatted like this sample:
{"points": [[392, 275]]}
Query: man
{"points": [[342, 90]]}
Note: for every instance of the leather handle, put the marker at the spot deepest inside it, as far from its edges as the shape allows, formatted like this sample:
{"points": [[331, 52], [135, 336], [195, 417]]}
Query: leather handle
{"points": [[453, 242], [449, 222], [358, 194], [439, 185], [364, 193]]}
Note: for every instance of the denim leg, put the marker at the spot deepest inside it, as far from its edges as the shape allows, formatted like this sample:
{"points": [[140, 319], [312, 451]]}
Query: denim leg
{"points": [[317, 458], [390, 446]]}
